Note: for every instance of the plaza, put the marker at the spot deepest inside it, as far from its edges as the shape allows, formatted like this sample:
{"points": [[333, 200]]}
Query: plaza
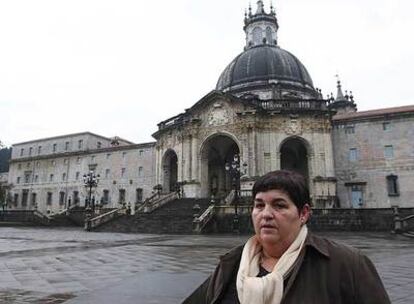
{"points": [[62, 265]]}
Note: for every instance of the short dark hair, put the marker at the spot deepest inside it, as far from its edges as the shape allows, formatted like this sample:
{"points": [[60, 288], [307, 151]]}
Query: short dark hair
{"points": [[290, 182]]}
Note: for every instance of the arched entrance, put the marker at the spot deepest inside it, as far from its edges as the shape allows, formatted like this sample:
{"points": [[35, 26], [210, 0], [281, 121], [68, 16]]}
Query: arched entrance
{"points": [[294, 156], [170, 168], [215, 153]]}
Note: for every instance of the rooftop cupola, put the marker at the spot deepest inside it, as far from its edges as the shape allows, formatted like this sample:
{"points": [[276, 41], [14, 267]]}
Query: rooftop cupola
{"points": [[342, 103], [260, 27]]}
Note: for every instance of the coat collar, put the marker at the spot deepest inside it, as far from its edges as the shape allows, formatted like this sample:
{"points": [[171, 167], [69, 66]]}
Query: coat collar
{"points": [[319, 244]]}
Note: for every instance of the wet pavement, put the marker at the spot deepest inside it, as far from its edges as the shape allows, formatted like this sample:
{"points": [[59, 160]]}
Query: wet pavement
{"points": [[72, 266]]}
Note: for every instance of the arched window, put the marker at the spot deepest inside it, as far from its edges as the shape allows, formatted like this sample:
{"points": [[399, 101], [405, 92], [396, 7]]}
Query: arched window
{"points": [[269, 38], [257, 36]]}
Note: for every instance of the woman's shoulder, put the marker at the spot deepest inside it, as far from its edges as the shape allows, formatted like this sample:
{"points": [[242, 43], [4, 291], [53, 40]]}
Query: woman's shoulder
{"points": [[331, 248]]}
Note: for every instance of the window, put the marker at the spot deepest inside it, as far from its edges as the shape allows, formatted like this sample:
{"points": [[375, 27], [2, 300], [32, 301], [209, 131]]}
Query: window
{"points": [[124, 154], [39, 149], [30, 151], [28, 165], [392, 185], [141, 152], [51, 176], [64, 177], [353, 154], [54, 147], [105, 198], [27, 175], [34, 199], [108, 155], [386, 126], [25, 197], [77, 175], [78, 160], [36, 179], [19, 166], [80, 144], [67, 146], [349, 129], [61, 198], [53, 163], [98, 144], [21, 152], [16, 199], [49, 198], [18, 180], [121, 196], [123, 172], [257, 36], [140, 171], [388, 151], [38, 164], [139, 195], [65, 161], [107, 172], [75, 197], [92, 158], [269, 38]]}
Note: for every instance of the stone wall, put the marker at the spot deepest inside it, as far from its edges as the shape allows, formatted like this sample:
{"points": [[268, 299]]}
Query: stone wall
{"points": [[369, 167]]}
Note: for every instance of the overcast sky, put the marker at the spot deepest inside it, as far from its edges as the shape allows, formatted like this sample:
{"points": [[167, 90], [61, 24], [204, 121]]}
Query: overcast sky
{"points": [[120, 67]]}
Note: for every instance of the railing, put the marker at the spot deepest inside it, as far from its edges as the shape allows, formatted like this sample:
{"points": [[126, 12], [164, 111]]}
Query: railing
{"points": [[151, 205], [200, 222], [92, 223], [41, 218], [230, 198], [312, 104], [402, 225]]}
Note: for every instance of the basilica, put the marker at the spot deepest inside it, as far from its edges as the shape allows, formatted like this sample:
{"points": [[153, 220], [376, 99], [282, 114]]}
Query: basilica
{"points": [[265, 112]]}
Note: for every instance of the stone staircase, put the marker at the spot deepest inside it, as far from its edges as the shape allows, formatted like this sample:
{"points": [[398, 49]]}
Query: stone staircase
{"points": [[175, 217]]}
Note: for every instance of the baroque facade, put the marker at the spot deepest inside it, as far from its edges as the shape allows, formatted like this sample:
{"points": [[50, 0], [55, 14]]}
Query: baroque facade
{"points": [[265, 109]]}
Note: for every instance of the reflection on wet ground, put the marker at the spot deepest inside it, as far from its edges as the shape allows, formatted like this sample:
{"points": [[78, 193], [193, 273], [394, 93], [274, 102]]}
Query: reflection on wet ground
{"points": [[54, 265]]}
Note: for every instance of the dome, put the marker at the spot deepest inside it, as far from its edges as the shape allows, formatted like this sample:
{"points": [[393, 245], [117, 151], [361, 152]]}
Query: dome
{"points": [[259, 66]]}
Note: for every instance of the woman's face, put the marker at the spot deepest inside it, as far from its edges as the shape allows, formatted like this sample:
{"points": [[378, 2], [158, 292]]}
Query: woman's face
{"points": [[276, 219]]}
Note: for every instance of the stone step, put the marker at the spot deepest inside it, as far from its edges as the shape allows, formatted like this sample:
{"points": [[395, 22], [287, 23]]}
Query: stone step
{"points": [[175, 217]]}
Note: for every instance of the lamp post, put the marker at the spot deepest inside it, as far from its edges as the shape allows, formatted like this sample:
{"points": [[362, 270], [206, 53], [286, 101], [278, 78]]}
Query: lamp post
{"points": [[90, 180], [235, 172]]}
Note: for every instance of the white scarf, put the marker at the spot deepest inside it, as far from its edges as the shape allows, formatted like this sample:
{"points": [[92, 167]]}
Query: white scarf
{"points": [[267, 289]]}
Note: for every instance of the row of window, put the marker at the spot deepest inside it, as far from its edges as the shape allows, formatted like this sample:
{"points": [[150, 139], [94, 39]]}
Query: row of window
{"points": [[75, 199], [354, 153], [78, 160], [350, 129], [66, 147], [35, 179]]}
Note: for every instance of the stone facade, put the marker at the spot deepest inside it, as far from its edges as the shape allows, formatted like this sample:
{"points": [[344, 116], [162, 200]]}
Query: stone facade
{"points": [[51, 178], [374, 157]]}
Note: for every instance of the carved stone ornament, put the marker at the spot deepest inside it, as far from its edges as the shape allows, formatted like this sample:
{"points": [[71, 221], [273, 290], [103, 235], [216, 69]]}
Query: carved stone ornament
{"points": [[293, 127], [218, 116]]}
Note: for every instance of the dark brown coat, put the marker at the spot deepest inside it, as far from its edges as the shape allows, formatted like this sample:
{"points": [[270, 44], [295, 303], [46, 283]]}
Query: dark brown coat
{"points": [[326, 272]]}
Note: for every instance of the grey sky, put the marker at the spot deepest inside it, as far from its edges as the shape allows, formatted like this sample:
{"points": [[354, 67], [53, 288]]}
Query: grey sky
{"points": [[120, 67]]}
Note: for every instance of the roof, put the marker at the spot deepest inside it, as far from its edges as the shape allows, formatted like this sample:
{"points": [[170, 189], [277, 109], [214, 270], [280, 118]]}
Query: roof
{"points": [[264, 63], [374, 113], [71, 135]]}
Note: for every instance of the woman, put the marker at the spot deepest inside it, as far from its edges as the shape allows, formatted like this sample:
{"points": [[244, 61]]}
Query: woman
{"points": [[285, 263]]}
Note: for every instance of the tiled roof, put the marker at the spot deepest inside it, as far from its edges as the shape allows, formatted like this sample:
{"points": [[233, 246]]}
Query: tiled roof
{"points": [[373, 113]]}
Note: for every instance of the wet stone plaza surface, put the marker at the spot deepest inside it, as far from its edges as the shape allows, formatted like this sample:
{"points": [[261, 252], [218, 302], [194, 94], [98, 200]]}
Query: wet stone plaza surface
{"points": [[72, 266]]}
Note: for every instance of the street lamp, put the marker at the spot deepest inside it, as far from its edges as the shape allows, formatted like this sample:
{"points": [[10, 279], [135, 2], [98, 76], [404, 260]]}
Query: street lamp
{"points": [[235, 172], [90, 180]]}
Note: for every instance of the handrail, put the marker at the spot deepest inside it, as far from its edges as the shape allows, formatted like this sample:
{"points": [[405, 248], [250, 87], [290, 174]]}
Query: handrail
{"points": [[160, 202], [230, 197], [92, 223], [200, 222], [43, 218], [147, 201]]}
